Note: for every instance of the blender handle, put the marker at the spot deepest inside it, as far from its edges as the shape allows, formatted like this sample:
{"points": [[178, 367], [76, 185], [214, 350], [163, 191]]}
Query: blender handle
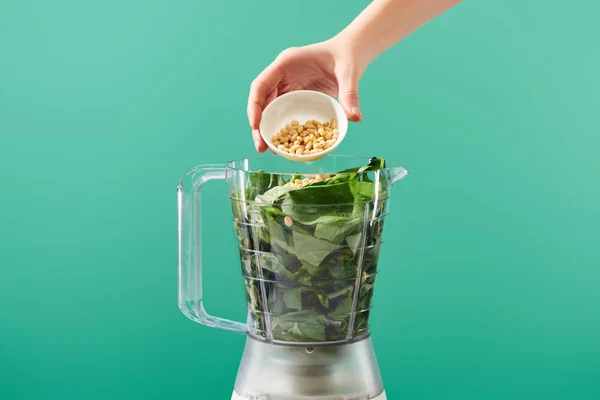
{"points": [[190, 246]]}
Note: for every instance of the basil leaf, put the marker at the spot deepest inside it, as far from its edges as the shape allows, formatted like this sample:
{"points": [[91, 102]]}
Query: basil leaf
{"points": [[354, 241], [337, 231], [311, 249], [259, 182]]}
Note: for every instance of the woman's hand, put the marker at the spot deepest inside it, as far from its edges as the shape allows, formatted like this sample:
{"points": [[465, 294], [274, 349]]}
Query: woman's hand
{"points": [[334, 67], [326, 67]]}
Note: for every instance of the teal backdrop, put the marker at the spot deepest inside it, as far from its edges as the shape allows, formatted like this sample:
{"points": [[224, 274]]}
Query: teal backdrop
{"points": [[490, 276]]}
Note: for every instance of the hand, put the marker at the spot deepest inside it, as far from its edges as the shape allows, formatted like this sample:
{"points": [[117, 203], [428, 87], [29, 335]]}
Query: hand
{"points": [[325, 67]]}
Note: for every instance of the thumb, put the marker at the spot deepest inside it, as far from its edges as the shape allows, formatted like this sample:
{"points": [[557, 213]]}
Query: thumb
{"points": [[348, 96]]}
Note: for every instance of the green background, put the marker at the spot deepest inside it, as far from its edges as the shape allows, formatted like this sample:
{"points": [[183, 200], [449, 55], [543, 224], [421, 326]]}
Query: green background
{"points": [[489, 285]]}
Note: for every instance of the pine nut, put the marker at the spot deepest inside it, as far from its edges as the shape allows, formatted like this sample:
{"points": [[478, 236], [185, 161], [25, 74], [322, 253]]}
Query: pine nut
{"points": [[310, 138], [288, 221]]}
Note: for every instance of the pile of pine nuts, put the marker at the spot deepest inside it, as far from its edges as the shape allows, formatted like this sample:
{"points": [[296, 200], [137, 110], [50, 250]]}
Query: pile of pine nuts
{"points": [[310, 138], [298, 183]]}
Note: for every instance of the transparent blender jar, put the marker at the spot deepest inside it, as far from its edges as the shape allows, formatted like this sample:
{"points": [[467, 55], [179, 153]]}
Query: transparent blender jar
{"points": [[309, 238]]}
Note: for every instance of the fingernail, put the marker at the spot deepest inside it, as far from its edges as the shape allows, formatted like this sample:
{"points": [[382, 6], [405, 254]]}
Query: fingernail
{"points": [[356, 112]]}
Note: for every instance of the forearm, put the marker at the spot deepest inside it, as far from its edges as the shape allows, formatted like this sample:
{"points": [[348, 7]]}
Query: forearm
{"points": [[386, 22]]}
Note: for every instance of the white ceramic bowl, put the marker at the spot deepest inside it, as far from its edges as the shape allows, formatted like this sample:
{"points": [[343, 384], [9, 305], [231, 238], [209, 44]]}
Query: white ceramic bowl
{"points": [[302, 105]]}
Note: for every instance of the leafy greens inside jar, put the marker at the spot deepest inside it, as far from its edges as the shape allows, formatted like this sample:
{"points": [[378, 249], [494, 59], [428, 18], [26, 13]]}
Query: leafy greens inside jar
{"points": [[309, 246]]}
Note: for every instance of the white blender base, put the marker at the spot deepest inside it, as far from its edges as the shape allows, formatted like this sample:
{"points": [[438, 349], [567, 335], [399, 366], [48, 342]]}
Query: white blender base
{"points": [[335, 372], [236, 396]]}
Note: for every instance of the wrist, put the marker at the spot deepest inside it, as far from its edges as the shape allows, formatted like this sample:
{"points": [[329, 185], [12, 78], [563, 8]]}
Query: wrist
{"points": [[350, 49]]}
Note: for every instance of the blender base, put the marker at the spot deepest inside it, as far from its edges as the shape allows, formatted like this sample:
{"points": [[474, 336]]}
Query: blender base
{"points": [[335, 372]]}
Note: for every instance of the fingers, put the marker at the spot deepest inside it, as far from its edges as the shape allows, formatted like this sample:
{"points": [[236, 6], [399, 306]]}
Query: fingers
{"points": [[348, 95], [262, 90], [259, 143], [264, 84]]}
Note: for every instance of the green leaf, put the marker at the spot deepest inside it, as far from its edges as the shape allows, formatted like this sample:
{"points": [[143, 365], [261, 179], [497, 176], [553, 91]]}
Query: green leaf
{"points": [[273, 195], [312, 250], [259, 182], [354, 241], [341, 264], [363, 191], [276, 234], [311, 269], [303, 277], [364, 296], [292, 297], [324, 300], [338, 229], [302, 325], [327, 219], [337, 193], [374, 165], [270, 262]]}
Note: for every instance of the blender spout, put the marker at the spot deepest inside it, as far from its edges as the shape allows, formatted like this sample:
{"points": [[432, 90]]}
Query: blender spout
{"points": [[397, 173]]}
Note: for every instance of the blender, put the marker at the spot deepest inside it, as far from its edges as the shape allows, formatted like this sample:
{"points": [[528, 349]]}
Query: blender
{"points": [[309, 236]]}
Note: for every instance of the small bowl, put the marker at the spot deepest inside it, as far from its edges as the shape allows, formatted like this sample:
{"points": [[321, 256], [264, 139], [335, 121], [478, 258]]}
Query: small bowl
{"points": [[302, 105]]}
